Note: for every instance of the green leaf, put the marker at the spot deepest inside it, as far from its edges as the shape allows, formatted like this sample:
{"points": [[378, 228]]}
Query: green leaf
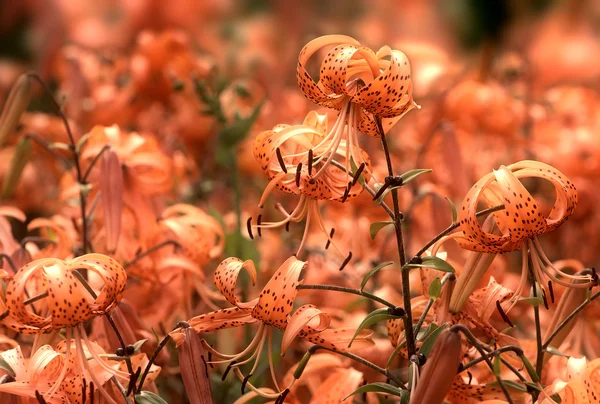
{"points": [[435, 289], [376, 227], [5, 366], [553, 351], [146, 397], [534, 301], [454, 213], [404, 397], [138, 345], [379, 387], [394, 354], [511, 385], [19, 160], [430, 340], [497, 365], [412, 174], [372, 318], [236, 131], [424, 332], [433, 263], [373, 272], [533, 386]]}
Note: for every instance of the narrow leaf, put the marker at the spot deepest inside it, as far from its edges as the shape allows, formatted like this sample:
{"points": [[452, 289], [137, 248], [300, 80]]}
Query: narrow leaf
{"points": [[534, 301], [433, 263], [17, 164], [372, 318], [379, 387], [412, 174], [430, 340], [453, 208], [146, 397], [376, 227], [497, 365], [373, 272], [553, 351]]}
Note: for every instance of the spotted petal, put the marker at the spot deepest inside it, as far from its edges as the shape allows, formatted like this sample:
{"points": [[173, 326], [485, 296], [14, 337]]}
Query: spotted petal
{"points": [[308, 319], [226, 276]]}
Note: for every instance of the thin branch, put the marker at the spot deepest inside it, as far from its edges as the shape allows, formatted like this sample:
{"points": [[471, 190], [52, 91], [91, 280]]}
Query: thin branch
{"points": [[347, 290]]}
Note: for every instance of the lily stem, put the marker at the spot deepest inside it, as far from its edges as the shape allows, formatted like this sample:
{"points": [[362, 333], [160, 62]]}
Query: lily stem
{"points": [[347, 290], [408, 328]]}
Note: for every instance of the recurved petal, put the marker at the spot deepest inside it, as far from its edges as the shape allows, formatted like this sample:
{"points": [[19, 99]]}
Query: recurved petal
{"points": [[226, 276], [337, 386], [194, 370], [277, 298], [307, 318], [217, 320], [63, 247], [15, 359]]}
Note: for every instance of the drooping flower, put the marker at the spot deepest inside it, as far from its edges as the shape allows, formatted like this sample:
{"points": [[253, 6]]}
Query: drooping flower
{"points": [[270, 310], [519, 224], [57, 290], [582, 383], [308, 161], [354, 78]]}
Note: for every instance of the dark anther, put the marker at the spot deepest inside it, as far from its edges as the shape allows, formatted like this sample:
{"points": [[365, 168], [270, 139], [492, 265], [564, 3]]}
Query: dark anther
{"points": [[346, 261], [281, 398], [470, 377], [357, 174], [183, 324], [205, 365], [381, 190], [249, 226], [280, 159], [503, 314], [83, 390], [287, 226], [244, 382], [594, 278], [461, 367], [130, 350], [310, 161], [120, 352], [7, 379], [346, 193], [551, 290], [422, 359], [397, 311], [39, 397], [92, 393], [226, 372], [258, 221], [210, 360], [298, 172], [4, 315], [331, 233]]}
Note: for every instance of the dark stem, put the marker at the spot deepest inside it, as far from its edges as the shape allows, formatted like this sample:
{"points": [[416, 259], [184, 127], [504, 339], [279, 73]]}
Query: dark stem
{"points": [[121, 341], [347, 290], [152, 359], [492, 354], [151, 250], [94, 161], [477, 345], [539, 361], [408, 328], [454, 226]]}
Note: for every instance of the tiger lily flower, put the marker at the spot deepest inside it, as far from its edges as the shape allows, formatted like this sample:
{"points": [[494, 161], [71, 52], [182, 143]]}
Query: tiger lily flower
{"points": [[270, 310], [519, 224], [67, 302], [582, 384], [358, 81], [145, 167], [201, 235], [304, 160]]}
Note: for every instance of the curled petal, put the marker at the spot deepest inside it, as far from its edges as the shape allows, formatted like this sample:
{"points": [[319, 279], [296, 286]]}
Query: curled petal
{"points": [[226, 276], [277, 298], [49, 227], [338, 339], [216, 320], [307, 318]]}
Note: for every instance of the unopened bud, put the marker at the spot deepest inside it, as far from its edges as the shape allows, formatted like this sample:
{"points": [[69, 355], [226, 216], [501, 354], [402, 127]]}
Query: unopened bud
{"points": [[111, 186], [15, 105], [475, 267], [439, 372], [17, 164], [194, 369]]}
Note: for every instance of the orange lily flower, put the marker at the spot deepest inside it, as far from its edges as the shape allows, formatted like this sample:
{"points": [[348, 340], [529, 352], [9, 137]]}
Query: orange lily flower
{"points": [[519, 223], [271, 310], [147, 169], [298, 160], [63, 301], [582, 384], [200, 234], [354, 79]]}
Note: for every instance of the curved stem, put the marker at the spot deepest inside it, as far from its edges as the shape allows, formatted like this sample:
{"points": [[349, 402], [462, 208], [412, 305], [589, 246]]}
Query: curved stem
{"points": [[347, 290]]}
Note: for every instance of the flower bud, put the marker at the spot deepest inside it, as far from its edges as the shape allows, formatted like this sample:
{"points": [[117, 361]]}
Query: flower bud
{"points": [[111, 186], [15, 105], [440, 370], [194, 369]]}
